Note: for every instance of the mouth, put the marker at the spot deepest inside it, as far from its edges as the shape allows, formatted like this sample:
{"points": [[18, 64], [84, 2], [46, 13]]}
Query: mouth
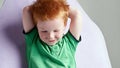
{"points": [[51, 40]]}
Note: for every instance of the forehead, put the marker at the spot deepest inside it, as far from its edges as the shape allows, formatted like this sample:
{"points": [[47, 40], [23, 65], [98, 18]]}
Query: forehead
{"points": [[51, 24]]}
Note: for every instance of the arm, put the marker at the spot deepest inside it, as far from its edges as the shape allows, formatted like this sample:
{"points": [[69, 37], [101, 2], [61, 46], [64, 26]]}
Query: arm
{"points": [[27, 20], [76, 22]]}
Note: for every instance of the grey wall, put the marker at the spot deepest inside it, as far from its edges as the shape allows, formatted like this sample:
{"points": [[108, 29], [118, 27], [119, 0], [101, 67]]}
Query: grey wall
{"points": [[106, 14], [1, 2]]}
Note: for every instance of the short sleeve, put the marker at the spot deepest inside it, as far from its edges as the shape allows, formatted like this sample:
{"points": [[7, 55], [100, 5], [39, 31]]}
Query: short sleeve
{"points": [[71, 40], [31, 36]]}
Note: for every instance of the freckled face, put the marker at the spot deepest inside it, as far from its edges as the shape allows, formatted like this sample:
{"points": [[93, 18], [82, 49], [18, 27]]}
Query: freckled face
{"points": [[51, 31]]}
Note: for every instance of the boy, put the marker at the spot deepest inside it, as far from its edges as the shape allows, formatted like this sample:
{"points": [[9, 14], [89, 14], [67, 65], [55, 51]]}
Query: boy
{"points": [[44, 25]]}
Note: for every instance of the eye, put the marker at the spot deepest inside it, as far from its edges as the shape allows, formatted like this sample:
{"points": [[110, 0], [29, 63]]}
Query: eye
{"points": [[44, 31], [56, 30]]}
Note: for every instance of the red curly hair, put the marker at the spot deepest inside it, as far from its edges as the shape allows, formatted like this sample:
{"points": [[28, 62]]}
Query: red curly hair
{"points": [[49, 9]]}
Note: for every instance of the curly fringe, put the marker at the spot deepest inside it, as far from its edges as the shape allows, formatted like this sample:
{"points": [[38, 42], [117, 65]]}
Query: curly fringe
{"points": [[49, 9]]}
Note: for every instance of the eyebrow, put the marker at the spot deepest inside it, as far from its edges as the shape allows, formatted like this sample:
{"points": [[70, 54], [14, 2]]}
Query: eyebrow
{"points": [[40, 28]]}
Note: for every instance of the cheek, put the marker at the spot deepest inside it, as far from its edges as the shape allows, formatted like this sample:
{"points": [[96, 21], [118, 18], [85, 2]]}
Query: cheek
{"points": [[59, 35], [42, 36]]}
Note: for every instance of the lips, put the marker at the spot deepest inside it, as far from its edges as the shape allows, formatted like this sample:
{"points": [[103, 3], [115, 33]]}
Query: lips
{"points": [[51, 40]]}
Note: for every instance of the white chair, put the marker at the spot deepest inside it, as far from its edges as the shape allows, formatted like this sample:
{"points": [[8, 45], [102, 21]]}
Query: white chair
{"points": [[91, 51]]}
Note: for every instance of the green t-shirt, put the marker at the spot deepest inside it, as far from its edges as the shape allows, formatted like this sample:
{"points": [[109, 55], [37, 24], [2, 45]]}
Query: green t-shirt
{"points": [[41, 55]]}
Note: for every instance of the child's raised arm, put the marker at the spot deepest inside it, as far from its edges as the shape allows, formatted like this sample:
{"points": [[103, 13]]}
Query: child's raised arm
{"points": [[27, 20], [76, 22]]}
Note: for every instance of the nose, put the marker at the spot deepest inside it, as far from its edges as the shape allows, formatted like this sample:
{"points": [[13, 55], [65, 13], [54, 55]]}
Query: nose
{"points": [[51, 35]]}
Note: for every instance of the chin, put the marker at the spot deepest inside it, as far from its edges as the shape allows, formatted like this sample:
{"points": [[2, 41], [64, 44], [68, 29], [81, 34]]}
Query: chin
{"points": [[51, 44]]}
